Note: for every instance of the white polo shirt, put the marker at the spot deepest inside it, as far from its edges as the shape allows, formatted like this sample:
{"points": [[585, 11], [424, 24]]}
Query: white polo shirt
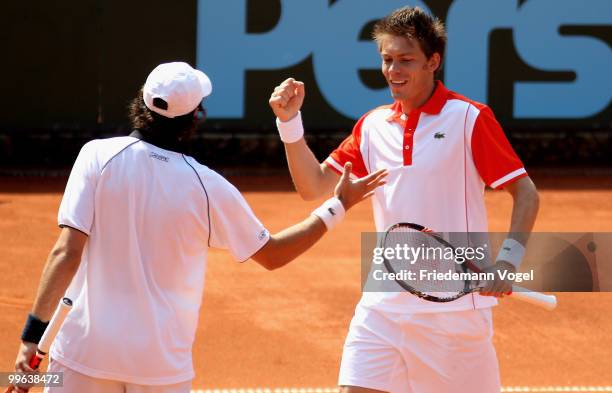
{"points": [[439, 157], [150, 215]]}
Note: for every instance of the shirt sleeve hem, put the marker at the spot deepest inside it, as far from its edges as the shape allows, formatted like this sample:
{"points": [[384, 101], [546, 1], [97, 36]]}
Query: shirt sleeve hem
{"points": [[333, 165], [339, 169], [75, 227], [240, 260], [509, 178]]}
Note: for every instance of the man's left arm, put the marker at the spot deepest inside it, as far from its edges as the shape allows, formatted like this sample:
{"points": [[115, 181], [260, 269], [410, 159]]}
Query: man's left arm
{"points": [[61, 266], [526, 203]]}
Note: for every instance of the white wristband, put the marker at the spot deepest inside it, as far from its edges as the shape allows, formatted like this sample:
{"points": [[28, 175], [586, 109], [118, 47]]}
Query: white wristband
{"points": [[331, 212], [511, 251], [292, 130]]}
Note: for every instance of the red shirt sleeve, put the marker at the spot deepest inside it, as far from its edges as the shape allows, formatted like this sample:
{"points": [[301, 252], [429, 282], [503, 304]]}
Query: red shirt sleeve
{"points": [[349, 151], [494, 157]]}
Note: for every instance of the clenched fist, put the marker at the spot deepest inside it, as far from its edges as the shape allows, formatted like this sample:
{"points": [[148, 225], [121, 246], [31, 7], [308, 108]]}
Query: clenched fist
{"points": [[287, 99]]}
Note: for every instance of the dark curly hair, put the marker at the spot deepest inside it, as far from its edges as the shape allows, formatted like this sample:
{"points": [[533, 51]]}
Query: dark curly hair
{"points": [[413, 22], [150, 123]]}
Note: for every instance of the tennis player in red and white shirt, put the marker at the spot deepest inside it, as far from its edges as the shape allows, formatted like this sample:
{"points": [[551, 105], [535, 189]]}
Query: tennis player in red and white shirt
{"points": [[441, 149]]}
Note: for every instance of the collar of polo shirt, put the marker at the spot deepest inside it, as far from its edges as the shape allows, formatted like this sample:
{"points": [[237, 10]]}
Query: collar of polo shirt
{"points": [[432, 106]]}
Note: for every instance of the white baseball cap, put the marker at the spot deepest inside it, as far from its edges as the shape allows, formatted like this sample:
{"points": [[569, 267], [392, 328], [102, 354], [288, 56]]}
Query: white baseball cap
{"points": [[181, 86]]}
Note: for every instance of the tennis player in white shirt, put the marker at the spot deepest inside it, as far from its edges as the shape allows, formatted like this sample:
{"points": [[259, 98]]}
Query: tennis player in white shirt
{"points": [[138, 217]]}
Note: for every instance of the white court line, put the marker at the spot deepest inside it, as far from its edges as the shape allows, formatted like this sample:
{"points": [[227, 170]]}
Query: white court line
{"points": [[507, 389]]}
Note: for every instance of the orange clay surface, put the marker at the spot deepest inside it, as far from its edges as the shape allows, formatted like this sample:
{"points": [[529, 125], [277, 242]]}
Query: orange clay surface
{"points": [[287, 327]]}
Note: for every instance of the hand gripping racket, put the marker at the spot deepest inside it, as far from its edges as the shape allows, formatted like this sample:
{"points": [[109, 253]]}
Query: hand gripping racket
{"points": [[49, 335], [429, 286]]}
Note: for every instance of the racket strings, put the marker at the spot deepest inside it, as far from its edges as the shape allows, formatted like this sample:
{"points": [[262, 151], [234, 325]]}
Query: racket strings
{"points": [[424, 263]]}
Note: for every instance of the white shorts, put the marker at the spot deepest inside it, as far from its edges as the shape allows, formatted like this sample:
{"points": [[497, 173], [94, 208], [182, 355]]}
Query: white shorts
{"points": [[421, 353], [74, 382]]}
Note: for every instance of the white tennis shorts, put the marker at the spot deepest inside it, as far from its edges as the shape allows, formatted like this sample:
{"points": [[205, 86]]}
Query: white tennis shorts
{"points": [[74, 382], [421, 353]]}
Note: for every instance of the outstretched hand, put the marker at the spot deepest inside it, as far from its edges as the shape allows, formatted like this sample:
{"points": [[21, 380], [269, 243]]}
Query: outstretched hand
{"points": [[287, 99], [350, 192]]}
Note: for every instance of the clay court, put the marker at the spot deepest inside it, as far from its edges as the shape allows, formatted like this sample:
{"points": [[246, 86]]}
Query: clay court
{"points": [[286, 328]]}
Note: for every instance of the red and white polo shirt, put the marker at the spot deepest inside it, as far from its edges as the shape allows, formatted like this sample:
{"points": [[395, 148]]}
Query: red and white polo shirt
{"points": [[440, 157]]}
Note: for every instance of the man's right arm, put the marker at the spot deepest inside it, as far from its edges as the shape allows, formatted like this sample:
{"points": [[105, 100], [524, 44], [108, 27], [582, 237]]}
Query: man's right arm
{"points": [[312, 180]]}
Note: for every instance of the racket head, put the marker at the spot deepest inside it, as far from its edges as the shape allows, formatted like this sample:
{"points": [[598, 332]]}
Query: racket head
{"points": [[420, 275]]}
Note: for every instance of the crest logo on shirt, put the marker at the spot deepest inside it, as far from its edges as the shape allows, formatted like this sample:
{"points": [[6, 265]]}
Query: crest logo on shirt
{"points": [[159, 157], [262, 235], [439, 135]]}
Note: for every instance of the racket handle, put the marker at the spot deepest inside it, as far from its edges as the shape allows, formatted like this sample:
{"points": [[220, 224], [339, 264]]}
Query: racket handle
{"points": [[47, 338], [36, 360], [34, 364], [548, 302]]}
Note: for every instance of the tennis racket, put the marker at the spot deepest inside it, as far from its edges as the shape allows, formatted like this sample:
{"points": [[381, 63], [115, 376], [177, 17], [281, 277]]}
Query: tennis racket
{"points": [[414, 276], [49, 335]]}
